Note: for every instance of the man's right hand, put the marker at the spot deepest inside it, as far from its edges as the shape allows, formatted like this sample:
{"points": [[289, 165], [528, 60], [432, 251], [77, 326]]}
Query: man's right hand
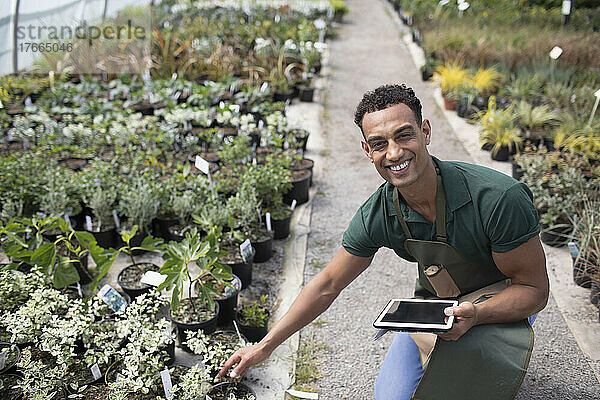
{"points": [[245, 358]]}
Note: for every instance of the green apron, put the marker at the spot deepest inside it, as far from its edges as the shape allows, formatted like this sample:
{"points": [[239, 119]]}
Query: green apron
{"points": [[488, 361]]}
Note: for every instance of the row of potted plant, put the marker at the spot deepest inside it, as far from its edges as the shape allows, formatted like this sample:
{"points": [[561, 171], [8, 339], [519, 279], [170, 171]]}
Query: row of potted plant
{"points": [[59, 328]]}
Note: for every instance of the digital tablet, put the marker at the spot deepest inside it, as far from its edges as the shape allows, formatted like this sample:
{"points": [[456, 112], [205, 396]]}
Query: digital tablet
{"points": [[415, 315]]}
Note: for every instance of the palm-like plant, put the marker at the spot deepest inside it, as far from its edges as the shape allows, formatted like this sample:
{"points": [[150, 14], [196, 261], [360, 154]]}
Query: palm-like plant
{"points": [[534, 119], [499, 129]]}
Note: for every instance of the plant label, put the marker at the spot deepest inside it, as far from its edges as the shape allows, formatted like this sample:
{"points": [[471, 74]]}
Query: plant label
{"points": [[79, 290], [208, 397], [176, 96], [443, 2], [246, 250], [28, 101], [264, 87], [116, 218], [302, 395], [174, 76], [254, 161], [233, 87], [462, 6], [96, 371], [202, 165], [597, 93], [573, 249], [146, 76], [153, 278], [68, 219], [555, 52], [167, 384], [2, 360], [268, 219], [111, 297], [119, 378], [187, 91], [566, 7], [294, 202], [277, 18], [88, 223]]}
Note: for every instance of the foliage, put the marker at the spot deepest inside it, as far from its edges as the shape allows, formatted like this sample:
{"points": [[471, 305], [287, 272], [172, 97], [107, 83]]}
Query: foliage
{"points": [[256, 313], [179, 256]]}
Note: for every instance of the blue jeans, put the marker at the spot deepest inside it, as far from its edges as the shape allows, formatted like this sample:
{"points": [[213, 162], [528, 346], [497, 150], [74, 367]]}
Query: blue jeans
{"points": [[401, 369]]}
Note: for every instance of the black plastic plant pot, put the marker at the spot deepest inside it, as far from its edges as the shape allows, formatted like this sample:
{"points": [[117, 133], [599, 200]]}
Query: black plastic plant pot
{"points": [[300, 188], [304, 164], [140, 288], [502, 154], [487, 146], [517, 172], [283, 97], [281, 227], [557, 236], [107, 239], [73, 163], [207, 327], [82, 270], [222, 391], [263, 250], [228, 303], [242, 270], [254, 334], [307, 94], [160, 227], [12, 357], [580, 275], [170, 347], [7, 387]]}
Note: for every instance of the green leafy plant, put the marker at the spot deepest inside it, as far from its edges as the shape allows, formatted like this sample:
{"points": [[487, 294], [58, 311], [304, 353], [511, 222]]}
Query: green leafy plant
{"points": [[255, 314], [179, 256]]}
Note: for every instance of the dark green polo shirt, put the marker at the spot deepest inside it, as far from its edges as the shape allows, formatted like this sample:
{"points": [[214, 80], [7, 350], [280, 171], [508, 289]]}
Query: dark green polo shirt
{"points": [[485, 211]]}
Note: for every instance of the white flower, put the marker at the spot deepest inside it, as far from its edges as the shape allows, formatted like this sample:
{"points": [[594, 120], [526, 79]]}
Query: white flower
{"points": [[320, 46], [289, 45], [320, 24]]}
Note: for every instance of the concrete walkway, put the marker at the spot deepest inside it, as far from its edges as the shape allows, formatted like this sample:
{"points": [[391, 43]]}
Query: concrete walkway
{"points": [[371, 52]]}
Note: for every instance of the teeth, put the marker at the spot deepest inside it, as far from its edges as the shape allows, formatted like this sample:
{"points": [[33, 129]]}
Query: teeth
{"points": [[399, 167]]}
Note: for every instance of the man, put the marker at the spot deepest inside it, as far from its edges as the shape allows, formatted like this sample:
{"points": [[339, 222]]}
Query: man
{"points": [[474, 233]]}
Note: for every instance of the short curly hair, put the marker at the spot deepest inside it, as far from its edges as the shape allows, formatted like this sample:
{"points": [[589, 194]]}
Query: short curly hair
{"points": [[387, 96]]}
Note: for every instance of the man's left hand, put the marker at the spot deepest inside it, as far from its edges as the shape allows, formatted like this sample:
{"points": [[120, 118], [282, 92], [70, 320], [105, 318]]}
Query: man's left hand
{"points": [[465, 316]]}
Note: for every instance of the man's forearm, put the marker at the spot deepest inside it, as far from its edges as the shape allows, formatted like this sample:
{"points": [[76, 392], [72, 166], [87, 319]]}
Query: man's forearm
{"points": [[512, 304]]}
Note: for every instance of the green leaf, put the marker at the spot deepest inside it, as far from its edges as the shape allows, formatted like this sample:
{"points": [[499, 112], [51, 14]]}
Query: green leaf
{"points": [[45, 255], [103, 264], [127, 236], [65, 274]]}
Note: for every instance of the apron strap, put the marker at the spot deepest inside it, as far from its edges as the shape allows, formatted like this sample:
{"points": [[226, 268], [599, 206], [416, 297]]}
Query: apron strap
{"points": [[399, 215], [440, 210]]}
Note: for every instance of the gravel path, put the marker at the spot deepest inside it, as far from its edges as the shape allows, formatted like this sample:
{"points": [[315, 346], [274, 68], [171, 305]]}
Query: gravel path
{"points": [[369, 53]]}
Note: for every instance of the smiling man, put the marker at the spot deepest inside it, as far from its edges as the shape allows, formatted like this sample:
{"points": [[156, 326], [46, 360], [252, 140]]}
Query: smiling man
{"points": [[474, 235]]}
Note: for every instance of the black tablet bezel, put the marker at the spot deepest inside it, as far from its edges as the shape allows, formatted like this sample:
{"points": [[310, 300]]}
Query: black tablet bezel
{"points": [[415, 327]]}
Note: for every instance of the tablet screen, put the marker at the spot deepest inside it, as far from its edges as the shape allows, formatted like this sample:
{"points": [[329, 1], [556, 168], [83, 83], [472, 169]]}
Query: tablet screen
{"points": [[419, 313], [416, 315]]}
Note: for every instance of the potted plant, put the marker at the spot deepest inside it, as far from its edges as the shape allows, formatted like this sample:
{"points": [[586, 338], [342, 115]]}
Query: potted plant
{"points": [[101, 197], [215, 348], [231, 391], [252, 319], [449, 77], [140, 203], [535, 120], [587, 235], [340, 8], [499, 130], [193, 313], [129, 277], [428, 68]]}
